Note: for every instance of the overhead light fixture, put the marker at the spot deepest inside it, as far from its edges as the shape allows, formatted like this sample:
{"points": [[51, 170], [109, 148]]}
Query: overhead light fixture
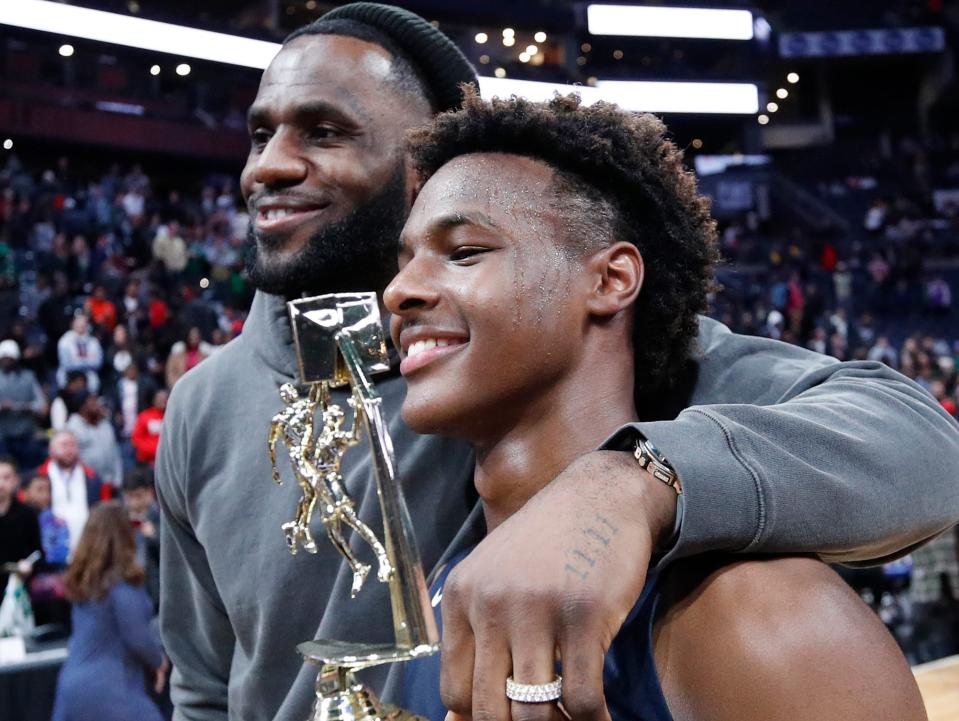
{"points": [[646, 96], [183, 69], [585, 47], [763, 119], [793, 78], [540, 37], [66, 50], [782, 93], [134, 32], [772, 107], [484, 59], [154, 70], [508, 32], [618, 54], [670, 22], [499, 73], [531, 49], [509, 41], [8, 144], [524, 57], [481, 38], [697, 143]]}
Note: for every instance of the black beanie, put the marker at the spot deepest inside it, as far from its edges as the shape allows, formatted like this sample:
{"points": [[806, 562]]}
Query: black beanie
{"points": [[443, 66]]}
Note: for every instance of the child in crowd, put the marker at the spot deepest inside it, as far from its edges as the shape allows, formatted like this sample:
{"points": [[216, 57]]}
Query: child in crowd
{"points": [[140, 503], [47, 592]]}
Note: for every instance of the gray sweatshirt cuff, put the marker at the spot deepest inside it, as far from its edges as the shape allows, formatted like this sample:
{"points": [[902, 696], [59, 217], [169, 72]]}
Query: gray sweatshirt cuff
{"points": [[722, 508]]}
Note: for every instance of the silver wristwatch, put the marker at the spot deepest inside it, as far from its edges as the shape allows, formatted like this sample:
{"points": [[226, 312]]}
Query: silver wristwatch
{"points": [[655, 462]]}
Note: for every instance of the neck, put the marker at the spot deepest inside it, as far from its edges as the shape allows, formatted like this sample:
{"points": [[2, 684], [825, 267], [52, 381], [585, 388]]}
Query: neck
{"points": [[568, 419], [5, 505]]}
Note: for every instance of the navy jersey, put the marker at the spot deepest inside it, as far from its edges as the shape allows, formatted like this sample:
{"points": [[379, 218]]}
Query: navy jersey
{"points": [[630, 680]]}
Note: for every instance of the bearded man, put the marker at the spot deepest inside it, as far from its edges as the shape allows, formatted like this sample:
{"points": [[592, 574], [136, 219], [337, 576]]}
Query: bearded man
{"points": [[328, 186]]}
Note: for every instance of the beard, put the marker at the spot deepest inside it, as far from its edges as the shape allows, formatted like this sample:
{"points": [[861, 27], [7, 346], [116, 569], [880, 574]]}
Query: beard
{"points": [[353, 254]]}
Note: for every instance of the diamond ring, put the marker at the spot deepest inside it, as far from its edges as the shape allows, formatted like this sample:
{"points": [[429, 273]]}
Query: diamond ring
{"points": [[534, 692]]}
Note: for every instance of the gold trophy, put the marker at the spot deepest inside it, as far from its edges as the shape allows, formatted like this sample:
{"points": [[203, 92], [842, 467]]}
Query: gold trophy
{"points": [[339, 341]]}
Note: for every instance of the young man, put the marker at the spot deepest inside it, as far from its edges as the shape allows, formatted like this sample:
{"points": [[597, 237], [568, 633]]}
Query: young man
{"points": [[550, 242], [19, 532], [328, 189]]}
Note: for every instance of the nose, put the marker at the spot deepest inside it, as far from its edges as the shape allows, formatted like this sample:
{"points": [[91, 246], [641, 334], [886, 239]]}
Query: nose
{"points": [[280, 163], [411, 290]]}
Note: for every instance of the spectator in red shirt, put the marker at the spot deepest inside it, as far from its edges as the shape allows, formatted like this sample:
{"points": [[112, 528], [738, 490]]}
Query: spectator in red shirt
{"points": [[101, 309], [146, 432]]}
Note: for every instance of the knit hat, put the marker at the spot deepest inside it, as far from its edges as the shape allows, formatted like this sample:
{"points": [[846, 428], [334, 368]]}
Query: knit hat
{"points": [[442, 65]]}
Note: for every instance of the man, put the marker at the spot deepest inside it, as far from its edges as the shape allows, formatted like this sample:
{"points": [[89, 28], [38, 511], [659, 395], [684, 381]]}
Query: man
{"points": [[146, 431], [96, 439], [74, 488], [526, 220], [19, 531], [22, 405], [328, 188], [79, 350]]}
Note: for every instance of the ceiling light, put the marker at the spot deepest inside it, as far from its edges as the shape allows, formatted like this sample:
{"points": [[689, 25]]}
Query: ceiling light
{"points": [[644, 96], [183, 69], [481, 38], [618, 54], [66, 50], [581, 60], [531, 49], [524, 57], [697, 143], [134, 32], [585, 47], [763, 119], [484, 59], [154, 70], [508, 32], [8, 144], [509, 41], [500, 73], [540, 37], [311, 4], [669, 22], [793, 77], [772, 107], [782, 93]]}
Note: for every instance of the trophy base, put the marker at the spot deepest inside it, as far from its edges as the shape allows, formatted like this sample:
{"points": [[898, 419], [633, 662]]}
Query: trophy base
{"points": [[340, 697]]}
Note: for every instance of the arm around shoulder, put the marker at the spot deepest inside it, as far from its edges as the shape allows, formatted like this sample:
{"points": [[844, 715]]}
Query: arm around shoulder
{"points": [[779, 639], [782, 450]]}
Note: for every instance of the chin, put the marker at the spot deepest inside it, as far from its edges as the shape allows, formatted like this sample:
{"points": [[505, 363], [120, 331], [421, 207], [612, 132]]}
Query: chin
{"points": [[433, 415]]}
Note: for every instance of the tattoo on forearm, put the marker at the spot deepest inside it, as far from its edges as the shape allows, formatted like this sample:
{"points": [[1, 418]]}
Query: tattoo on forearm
{"points": [[593, 542]]}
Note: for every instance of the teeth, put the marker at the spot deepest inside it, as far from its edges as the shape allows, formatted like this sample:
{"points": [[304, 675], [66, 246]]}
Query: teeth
{"points": [[276, 213], [424, 345]]}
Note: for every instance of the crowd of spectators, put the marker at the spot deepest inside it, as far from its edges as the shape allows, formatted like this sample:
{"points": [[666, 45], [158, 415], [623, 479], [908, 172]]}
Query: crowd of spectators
{"points": [[111, 290]]}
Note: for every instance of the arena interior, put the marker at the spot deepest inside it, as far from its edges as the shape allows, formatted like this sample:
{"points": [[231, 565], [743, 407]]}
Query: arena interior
{"points": [[825, 134]]}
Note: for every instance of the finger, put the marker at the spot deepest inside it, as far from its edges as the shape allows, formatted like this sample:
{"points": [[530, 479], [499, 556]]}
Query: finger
{"points": [[452, 716], [490, 669], [456, 662], [534, 662], [583, 659]]}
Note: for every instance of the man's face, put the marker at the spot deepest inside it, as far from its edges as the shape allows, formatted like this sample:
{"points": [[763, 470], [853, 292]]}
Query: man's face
{"points": [[484, 274], [8, 482], [325, 181], [37, 494], [64, 450]]}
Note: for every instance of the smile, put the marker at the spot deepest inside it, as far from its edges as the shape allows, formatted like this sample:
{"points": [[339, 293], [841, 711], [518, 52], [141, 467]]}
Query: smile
{"points": [[426, 350], [274, 219]]}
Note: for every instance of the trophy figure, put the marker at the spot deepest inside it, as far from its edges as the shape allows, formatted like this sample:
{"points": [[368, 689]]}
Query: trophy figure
{"points": [[339, 341]]}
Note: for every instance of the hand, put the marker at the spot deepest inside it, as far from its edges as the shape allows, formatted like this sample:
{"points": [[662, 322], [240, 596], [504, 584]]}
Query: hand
{"points": [[24, 568], [148, 529], [556, 579], [159, 675]]}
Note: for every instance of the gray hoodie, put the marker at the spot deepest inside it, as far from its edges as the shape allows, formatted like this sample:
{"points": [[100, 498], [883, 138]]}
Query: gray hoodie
{"points": [[778, 448]]}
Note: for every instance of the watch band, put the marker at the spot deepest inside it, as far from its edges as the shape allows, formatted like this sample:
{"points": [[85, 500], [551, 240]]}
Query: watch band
{"points": [[649, 458]]}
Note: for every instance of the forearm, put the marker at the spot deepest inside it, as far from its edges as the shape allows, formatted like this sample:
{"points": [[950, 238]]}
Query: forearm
{"points": [[857, 466]]}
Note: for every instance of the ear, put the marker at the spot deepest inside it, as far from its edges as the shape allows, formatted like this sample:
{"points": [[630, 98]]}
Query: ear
{"points": [[618, 273], [413, 182]]}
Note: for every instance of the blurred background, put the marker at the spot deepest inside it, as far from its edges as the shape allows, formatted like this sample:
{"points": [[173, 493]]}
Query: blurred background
{"points": [[826, 134]]}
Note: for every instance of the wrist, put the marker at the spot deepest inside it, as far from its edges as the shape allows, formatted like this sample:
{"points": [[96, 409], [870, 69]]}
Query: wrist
{"points": [[654, 501]]}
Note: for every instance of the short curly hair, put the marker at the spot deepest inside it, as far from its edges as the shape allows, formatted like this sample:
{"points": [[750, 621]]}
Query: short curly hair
{"points": [[618, 178]]}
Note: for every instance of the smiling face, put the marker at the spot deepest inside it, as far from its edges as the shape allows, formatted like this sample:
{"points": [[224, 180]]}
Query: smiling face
{"points": [[325, 181], [489, 306]]}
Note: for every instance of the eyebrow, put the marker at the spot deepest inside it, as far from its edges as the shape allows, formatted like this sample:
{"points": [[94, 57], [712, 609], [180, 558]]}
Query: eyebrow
{"points": [[305, 112], [448, 222]]}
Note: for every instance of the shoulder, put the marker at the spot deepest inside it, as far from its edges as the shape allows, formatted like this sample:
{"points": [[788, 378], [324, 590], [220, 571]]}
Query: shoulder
{"points": [[779, 638]]}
